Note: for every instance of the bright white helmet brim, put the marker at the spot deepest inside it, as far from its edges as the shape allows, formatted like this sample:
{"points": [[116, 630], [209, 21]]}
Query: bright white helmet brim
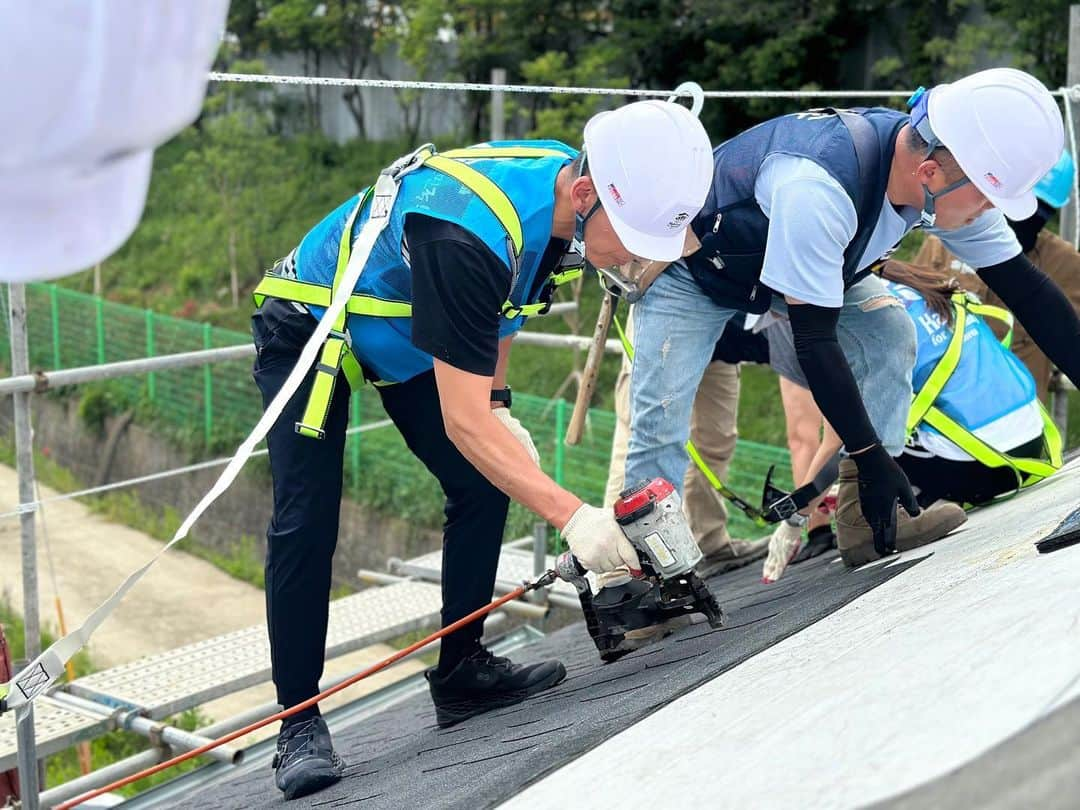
{"points": [[1005, 131], [1015, 208], [646, 246]]}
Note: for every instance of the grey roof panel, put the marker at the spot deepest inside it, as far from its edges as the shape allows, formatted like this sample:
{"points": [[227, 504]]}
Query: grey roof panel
{"points": [[400, 758]]}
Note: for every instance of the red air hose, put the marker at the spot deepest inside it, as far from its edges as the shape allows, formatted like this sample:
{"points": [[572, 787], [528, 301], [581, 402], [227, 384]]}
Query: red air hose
{"points": [[547, 579]]}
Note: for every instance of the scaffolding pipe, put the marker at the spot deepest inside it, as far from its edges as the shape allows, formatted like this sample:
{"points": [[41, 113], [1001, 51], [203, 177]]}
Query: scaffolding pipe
{"points": [[24, 464], [103, 776], [407, 569], [158, 733], [23, 381], [39, 381], [523, 609], [552, 341]]}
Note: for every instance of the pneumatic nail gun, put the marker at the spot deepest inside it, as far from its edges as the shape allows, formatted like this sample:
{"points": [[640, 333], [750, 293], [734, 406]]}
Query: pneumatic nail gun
{"points": [[650, 514]]}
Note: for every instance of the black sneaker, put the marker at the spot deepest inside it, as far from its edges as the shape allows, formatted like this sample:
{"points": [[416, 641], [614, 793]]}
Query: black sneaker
{"points": [[305, 760], [483, 682]]}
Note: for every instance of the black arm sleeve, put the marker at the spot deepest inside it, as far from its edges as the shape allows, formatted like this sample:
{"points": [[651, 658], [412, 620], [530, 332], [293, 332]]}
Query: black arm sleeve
{"points": [[458, 289], [829, 375], [1042, 308]]}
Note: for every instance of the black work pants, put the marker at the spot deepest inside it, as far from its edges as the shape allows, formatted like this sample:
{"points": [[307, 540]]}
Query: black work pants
{"points": [[307, 475], [963, 481]]}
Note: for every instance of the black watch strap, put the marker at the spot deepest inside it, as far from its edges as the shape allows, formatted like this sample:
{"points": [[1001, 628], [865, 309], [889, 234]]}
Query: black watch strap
{"points": [[501, 395]]}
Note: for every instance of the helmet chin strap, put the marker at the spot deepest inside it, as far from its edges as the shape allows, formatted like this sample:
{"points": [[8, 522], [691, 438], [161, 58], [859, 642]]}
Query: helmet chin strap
{"points": [[928, 216], [579, 218], [920, 122]]}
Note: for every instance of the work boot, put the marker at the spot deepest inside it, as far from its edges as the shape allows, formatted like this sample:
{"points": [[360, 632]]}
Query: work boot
{"points": [[855, 538], [305, 760], [730, 555], [482, 682]]}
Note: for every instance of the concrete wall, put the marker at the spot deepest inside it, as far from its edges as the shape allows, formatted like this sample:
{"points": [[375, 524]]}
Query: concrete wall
{"points": [[127, 450], [443, 112]]}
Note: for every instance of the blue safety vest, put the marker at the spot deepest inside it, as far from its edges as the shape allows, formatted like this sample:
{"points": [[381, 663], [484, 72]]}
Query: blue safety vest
{"points": [[383, 344], [989, 381]]}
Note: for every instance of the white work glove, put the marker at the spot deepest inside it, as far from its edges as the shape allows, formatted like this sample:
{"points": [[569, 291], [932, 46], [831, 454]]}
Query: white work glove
{"points": [[785, 543], [519, 431], [598, 541]]}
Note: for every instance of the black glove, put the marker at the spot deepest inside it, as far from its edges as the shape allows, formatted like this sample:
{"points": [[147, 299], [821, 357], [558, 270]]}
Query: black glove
{"points": [[881, 484]]}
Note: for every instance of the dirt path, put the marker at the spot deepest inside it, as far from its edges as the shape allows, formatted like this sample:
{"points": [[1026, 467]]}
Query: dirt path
{"points": [[181, 600]]}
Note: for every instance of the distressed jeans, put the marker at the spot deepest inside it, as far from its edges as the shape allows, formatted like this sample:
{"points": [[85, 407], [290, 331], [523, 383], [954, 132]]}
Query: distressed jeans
{"points": [[677, 325]]}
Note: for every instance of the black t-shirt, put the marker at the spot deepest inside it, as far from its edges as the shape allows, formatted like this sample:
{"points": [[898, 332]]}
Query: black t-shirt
{"points": [[458, 289]]}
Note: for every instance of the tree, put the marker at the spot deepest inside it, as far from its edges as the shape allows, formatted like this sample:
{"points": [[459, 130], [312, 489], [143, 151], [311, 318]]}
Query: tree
{"points": [[323, 32]]}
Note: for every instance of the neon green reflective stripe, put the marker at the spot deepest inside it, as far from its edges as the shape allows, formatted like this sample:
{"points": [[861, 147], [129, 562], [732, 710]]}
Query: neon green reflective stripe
{"points": [[303, 292], [988, 456], [350, 367], [998, 313], [926, 397], [490, 194], [1055, 447], [318, 295], [528, 310], [378, 307], [313, 421], [566, 276], [492, 152]]}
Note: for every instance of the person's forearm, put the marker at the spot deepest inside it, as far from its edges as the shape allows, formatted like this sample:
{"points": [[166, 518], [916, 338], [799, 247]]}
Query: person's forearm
{"points": [[1042, 308], [494, 451]]}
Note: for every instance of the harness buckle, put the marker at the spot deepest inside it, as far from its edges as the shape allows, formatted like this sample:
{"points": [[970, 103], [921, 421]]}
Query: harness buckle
{"points": [[410, 162]]}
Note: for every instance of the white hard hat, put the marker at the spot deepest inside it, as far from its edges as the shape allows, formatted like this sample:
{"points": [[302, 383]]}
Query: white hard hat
{"points": [[651, 163], [91, 88], [1004, 129]]}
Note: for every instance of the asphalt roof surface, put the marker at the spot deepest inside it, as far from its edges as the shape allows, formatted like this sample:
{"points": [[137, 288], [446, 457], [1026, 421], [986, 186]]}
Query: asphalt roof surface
{"points": [[400, 758]]}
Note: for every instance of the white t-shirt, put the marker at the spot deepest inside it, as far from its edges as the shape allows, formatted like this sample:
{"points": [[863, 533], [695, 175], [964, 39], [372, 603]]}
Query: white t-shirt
{"points": [[812, 220]]}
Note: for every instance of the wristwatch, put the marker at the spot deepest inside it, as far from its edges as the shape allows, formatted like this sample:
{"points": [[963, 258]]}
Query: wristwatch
{"points": [[501, 395]]}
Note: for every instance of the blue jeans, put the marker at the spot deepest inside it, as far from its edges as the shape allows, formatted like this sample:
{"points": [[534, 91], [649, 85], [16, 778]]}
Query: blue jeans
{"points": [[676, 327]]}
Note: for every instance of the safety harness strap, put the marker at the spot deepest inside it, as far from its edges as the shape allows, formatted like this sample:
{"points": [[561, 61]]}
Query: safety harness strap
{"points": [[997, 313], [1028, 471], [313, 423], [928, 394], [337, 355], [318, 295]]}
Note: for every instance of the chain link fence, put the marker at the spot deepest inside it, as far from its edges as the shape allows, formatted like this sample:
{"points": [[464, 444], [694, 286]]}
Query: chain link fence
{"points": [[209, 410]]}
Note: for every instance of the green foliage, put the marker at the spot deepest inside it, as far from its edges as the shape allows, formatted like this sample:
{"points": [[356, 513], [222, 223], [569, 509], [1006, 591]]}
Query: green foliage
{"points": [[566, 115], [100, 400], [242, 560], [15, 633], [946, 39], [118, 745]]}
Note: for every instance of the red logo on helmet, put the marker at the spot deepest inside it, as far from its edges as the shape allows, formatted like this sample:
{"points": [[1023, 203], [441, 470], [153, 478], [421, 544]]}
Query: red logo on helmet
{"points": [[615, 195], [992, 180]]}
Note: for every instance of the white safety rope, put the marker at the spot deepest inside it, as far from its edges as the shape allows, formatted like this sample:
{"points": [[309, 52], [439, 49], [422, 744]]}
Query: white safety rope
{"points": [[401, 84], [47, 667], [484, 87], [34, 506]]}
